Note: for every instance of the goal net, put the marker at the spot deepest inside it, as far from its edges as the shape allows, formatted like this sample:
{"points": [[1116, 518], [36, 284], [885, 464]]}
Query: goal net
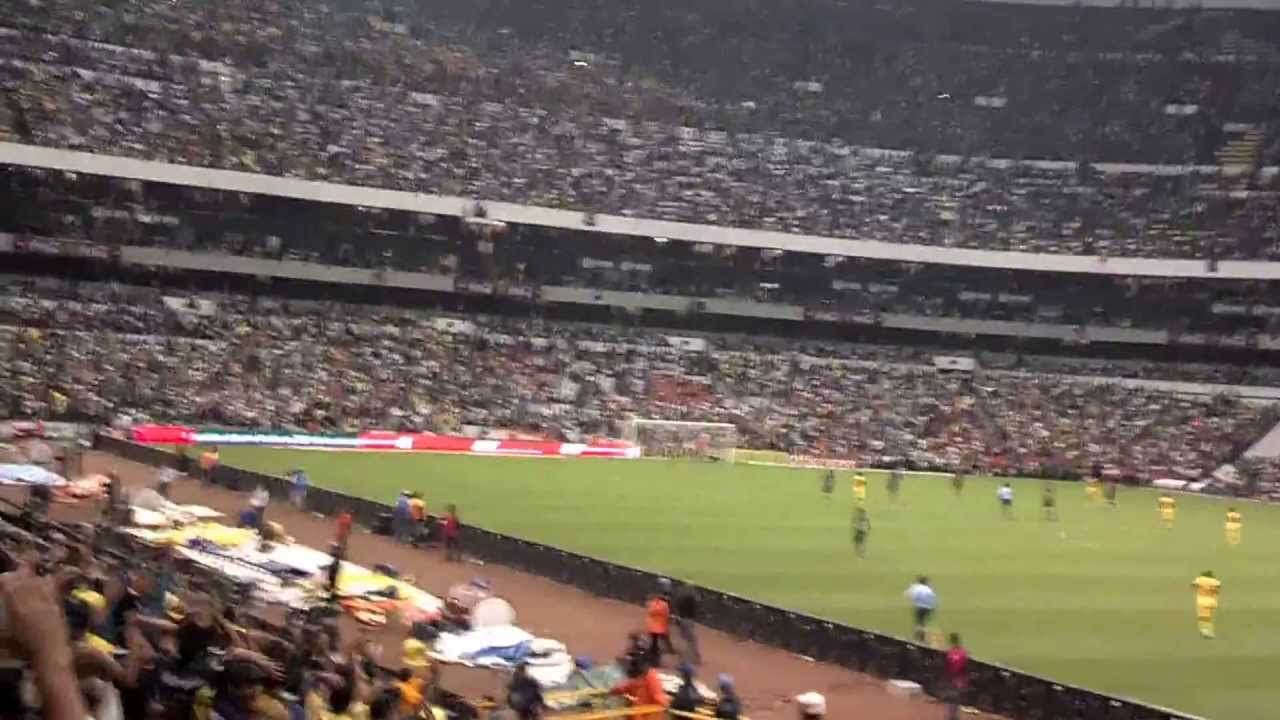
{"points": [[676, 439]]}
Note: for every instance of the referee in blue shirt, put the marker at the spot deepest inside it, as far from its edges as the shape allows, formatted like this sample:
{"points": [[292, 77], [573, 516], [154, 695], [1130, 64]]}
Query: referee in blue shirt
{"points": [[923, 602]]}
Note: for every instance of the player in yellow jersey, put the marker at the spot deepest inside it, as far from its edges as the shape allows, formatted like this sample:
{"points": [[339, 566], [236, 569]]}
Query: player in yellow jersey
{"points": [[860, 488], [1234, 525], [1168, 509], [1093, 489], [1207, 588]]}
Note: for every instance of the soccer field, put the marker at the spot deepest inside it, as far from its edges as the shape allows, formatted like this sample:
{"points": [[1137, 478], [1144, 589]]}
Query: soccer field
{"points": [[1100, 598]]}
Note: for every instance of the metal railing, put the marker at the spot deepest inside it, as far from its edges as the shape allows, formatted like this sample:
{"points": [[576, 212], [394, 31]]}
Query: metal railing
{"points": [[993, 688]]}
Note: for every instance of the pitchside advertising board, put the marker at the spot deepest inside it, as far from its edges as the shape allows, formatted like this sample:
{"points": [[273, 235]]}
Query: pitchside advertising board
{"points": [[382, 441]]}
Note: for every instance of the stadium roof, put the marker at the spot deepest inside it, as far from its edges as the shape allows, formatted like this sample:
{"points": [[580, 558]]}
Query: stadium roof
{"points": [[1158, 4]]}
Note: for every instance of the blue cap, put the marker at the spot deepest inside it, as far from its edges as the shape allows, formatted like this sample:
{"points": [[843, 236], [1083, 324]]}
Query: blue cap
{"points": [[726, 680]]}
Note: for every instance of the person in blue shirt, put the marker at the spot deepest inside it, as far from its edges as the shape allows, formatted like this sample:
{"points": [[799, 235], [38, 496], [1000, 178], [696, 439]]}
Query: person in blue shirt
{"points": [[401, 521], [298, 484]]}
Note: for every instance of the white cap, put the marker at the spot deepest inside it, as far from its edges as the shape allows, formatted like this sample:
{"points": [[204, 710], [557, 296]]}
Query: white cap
{"points": [[812, 704]]}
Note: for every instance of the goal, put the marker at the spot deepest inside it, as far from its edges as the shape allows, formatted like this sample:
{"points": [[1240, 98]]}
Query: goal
{"points": [[677, 439]]}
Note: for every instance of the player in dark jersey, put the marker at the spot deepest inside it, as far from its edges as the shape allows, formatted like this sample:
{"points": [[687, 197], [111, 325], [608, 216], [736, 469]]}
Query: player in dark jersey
{"points": [[1050, 503], [895, 482], [829, 483], [861, 531], [957, 482]]}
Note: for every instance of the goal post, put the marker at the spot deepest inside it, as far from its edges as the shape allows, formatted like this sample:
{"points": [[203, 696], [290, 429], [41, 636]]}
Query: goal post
{"points": [[682, 439]]}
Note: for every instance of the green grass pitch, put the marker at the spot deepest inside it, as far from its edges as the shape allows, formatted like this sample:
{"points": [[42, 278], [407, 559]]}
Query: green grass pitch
{"points": [[1099, 599]]}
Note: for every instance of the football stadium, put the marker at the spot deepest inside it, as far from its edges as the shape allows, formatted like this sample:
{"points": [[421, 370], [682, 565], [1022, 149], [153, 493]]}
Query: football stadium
{"points": [[581, 360]]}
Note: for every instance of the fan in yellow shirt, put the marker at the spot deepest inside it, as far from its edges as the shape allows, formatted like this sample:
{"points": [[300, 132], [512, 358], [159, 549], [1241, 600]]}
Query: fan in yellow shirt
{"points": [[1235, 523], [1168, 509], [1207, 588], [860, 488]]}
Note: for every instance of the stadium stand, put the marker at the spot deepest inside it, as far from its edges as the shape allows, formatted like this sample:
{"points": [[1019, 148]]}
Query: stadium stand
{"points": [[244, 361], [504, 103], [149, 633], [521, 260]]}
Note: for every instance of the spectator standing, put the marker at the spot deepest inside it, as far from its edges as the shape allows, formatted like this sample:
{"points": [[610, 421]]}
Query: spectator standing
{"points": [[924, 601], [343, 529], [209, 460], [113, 496], [337, 551], [685, 607], [298, 484], [400, 517], [957, 677], [417, 516], [164, 481], [452, 536], [255, 515], [657, 622]]}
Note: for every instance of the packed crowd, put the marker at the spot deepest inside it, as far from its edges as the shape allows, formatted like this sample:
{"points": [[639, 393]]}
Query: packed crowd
{"points": [[267, 363], [105, 626], [54, 212], [111, 630], [464, 105]]}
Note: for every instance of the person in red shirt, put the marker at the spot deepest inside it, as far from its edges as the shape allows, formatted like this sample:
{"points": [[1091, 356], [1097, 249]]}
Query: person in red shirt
{"points": [[642, 688], [657, 622], [344, 529], [452, 536], [957, 676]]}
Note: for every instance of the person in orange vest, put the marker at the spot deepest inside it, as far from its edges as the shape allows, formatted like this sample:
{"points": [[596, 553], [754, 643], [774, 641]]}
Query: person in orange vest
{"points": [[643, 687], [657, 622], [208, 461], [417, 516]]}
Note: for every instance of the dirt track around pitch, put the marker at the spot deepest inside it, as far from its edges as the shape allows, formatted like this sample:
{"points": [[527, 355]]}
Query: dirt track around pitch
{"points": [[767, 678]]}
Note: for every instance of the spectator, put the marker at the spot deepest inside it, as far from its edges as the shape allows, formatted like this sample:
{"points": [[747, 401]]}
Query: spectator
{"points": [[957, 677], [298, 484], [687, 698], [209, 463], [417, 517], [643, 688], [728, 705], [524, 695], [414, 677], [452, 535], [40, 632], [401, 520], [685, 608], [657, 623], [342, 532]]}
